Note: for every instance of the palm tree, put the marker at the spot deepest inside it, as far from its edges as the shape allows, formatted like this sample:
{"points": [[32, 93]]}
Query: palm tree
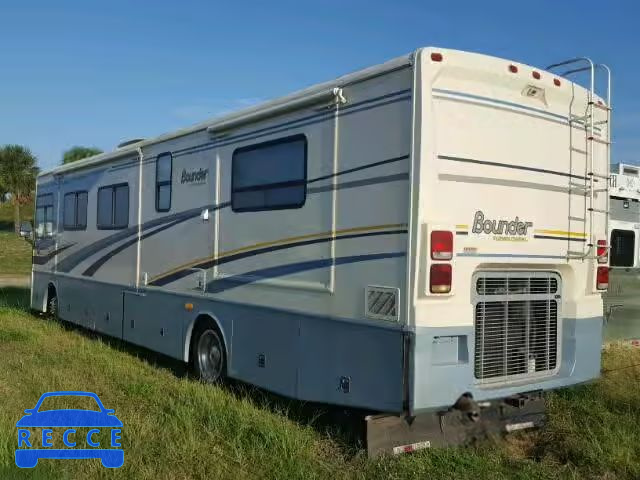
{"points": [[78, 153], [18, 172]]}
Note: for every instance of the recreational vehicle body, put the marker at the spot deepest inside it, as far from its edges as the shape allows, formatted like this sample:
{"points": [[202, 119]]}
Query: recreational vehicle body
{"points": [[414, 235], [622, 299]]}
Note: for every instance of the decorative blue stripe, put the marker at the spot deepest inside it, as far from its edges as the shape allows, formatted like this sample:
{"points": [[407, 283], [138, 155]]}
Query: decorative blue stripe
{"points": [[509, 165], [259, 251], [221, 285], [506, 103]]}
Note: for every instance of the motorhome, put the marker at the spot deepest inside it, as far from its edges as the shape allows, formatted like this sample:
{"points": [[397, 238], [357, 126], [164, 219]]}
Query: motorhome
{"points": [[418, 239], [622, 300]]}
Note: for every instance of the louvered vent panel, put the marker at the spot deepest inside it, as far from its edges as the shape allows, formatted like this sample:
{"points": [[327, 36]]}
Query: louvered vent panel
{"points": [[516, 325], [381, 302]]}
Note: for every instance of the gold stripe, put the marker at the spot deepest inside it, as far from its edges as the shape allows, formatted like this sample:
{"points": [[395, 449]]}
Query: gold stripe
{"points": [[278, 242], [462, 227], [562, 233]]}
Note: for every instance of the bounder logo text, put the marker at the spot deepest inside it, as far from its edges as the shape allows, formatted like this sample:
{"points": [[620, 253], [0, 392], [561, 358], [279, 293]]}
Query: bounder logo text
{"points": [[501, 229], [194, 177]]}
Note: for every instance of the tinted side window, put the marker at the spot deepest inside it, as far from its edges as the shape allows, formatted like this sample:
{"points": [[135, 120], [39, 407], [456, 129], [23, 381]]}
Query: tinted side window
{"points": [[270, 175], [622, 248], [69, 211], [121, 210], [75, 211], [81, 214], [163, 182], [113, 207], [105, 207]]}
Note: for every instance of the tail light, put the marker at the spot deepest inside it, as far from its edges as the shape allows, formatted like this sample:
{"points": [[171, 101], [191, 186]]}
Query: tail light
{"points": [[602, 282], [441, 245], [440, 278], [601, 251]]}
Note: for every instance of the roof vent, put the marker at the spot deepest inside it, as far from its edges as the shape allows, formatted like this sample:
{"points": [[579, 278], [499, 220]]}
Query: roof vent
{"points": [[128, 143]]}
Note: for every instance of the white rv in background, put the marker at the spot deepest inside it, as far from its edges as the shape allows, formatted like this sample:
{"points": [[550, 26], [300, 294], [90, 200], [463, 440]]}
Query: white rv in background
{"points": [[622, 300], [426, 235]]}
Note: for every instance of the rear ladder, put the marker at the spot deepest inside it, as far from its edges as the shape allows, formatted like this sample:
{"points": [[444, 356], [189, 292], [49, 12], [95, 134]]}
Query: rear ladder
{"points": [[592, 135]]}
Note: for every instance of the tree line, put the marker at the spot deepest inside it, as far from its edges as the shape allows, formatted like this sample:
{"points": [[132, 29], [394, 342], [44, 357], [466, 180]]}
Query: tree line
{"points": [[19, 169]]}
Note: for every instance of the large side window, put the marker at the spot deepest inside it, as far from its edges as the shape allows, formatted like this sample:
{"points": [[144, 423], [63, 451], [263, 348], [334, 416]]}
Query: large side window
{"points": [[270, 175], [113, 207], [75, 211], [622, 248], [163, 182], [44, 216]]}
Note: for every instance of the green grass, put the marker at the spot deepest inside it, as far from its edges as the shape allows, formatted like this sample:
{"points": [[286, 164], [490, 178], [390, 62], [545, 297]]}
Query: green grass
{"points": [[177, 428], [15, 252], [15, 255]]}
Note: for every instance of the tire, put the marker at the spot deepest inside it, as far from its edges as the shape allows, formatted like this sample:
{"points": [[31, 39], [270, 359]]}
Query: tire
{"points": [[52, 306], [208, 355]]}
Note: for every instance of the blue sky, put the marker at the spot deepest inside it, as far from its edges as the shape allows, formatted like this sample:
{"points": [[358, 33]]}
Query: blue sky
{"points": [[96, 73]]}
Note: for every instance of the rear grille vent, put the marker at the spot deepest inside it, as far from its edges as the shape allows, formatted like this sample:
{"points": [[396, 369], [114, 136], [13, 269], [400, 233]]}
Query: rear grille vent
{"points": [[381, 302], [516, 325], [515, 285]]}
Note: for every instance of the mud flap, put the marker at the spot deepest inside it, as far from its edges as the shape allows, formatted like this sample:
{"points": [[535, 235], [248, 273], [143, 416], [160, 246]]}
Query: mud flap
{"points": [[395, 434]]}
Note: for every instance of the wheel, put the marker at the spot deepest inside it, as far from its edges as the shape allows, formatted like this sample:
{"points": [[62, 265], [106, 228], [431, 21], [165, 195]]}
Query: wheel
{"points": [[52, 306], [208, 355]]}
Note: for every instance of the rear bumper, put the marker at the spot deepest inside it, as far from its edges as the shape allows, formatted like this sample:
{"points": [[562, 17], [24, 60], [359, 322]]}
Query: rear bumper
{"points": [[395, 434], [442, 364]]}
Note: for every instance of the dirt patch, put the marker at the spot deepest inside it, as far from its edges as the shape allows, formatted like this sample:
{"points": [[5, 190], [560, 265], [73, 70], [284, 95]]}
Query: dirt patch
{"points": [[15, 281]]}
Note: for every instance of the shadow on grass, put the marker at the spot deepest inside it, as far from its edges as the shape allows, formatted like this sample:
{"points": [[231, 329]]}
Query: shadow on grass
{"points": [[344, 425], [15, 297]]}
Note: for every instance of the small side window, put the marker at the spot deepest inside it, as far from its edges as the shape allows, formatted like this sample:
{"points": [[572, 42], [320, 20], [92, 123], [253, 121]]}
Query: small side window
{"points": [[164, 166], [622, 248], [113, 207], [74, 216]]}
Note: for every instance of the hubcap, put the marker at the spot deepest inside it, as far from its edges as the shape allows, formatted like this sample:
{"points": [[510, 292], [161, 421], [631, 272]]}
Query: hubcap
{"points": [[53, 307], [209, 356]]}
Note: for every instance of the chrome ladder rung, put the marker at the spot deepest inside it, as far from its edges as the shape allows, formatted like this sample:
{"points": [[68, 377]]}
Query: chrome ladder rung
{"points": [[597, 175], [594, 139], [578, 150], [579, 118], [597, 210], [600, 106]]}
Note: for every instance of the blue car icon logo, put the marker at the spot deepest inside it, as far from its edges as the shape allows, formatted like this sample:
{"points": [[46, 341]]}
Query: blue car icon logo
{"points": [[32, 447]]}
